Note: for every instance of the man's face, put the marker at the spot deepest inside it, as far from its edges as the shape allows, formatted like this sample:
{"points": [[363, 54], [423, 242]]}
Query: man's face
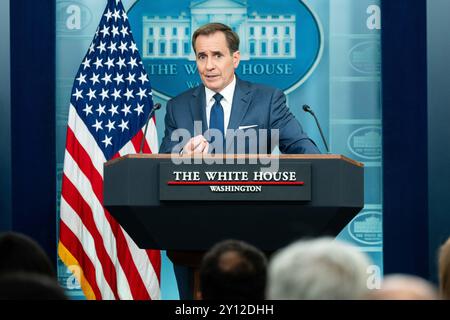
{"points": [[215, 63]]}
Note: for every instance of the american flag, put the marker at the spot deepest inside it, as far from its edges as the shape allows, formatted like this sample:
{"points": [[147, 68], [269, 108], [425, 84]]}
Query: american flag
{"points": [[110, 102]]}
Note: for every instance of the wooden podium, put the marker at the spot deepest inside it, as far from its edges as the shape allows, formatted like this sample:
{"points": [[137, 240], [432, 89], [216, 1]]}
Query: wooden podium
{"points": [[184, 209]]}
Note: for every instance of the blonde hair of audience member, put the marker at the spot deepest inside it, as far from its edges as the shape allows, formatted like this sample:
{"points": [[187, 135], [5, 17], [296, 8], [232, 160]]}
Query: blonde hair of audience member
{"points": [[444, 270], [404, 287], [318, 269]]}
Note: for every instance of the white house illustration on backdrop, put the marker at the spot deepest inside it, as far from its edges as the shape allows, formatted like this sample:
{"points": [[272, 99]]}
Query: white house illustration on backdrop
{"points": [[261, 36]]}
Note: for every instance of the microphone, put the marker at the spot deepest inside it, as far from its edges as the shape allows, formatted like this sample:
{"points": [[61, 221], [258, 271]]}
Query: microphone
{"points": [[308, 109], [156, 106]]}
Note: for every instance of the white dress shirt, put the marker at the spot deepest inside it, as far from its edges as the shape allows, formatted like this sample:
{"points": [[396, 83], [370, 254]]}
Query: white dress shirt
{"points": [[227, 101]]}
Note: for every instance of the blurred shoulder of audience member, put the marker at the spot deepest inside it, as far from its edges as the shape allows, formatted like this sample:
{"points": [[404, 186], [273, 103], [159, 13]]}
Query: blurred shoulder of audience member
{"points": [[444, 270], [404, 287]]}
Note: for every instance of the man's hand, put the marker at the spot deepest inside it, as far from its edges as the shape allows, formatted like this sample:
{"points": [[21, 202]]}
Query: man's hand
{"points": [[196, 145]]}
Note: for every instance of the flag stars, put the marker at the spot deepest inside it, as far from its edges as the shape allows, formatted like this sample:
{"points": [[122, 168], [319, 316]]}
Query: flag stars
{"points": [[91, 94], [100, 110], [143, 78], [98, 125], [91, 48], [86, 63], [111, 72], [112, 47], [124, 31], [104, 94], [121, 63], [107, 141], [101, 46], [105, 31], [123, 47], [133, 47], [110, 63], [113, 110], [124, 125], [78, 94], [132, 62], [115, 31], [139, 109], [106, 78], [94, 78], [116, 15], [130, 78], [81, 79], [119, 78], [116, 94], [108, 15], [141, 93], [126, 110], [110, 125], [87, 109], [129, 94], [98, 63]]}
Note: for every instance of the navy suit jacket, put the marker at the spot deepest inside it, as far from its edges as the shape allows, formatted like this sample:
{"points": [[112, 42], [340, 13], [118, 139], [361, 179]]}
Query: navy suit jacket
{"points": [[254, 105]]}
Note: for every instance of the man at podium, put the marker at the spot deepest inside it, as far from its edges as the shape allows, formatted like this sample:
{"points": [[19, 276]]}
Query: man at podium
{"points": [[226, 109], [226, 106]]}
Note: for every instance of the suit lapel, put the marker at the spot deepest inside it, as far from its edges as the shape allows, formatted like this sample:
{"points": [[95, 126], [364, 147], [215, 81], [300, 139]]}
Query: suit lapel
{"points": [[198, 108], [241, 101]]}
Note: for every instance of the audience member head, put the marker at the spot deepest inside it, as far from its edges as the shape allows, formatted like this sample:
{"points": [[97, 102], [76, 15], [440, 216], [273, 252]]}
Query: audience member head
{"points": [[20, 253], [30, 286], [234, 270], [444, 270], [403, 287], [322, 269]]}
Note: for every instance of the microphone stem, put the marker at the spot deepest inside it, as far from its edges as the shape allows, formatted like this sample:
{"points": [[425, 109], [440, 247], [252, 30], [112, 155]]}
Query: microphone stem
{"points": [[321, 133], [150, 115]]}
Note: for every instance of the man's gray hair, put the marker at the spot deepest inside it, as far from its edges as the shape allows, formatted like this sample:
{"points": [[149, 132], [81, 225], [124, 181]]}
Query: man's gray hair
{"points": [[322, 268]]}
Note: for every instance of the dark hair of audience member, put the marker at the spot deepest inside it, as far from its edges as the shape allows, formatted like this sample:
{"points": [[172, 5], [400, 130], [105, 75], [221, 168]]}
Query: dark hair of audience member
{"points": [[233, 270], [20, 253], [30, 286]]}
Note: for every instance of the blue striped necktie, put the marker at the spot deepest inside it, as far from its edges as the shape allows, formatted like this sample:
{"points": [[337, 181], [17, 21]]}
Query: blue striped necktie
{"points": [[216, 120], [216, 115]]}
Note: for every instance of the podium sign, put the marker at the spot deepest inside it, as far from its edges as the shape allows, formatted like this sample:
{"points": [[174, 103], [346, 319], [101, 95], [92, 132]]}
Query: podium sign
{"points": [[234, 182]]}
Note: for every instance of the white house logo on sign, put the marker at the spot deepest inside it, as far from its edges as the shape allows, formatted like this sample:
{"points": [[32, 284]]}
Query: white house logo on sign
{"points": [[285, 41]]}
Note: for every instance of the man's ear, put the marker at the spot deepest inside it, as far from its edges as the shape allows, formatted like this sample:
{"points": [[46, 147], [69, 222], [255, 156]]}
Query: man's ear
{"points": [[236, 58]]}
